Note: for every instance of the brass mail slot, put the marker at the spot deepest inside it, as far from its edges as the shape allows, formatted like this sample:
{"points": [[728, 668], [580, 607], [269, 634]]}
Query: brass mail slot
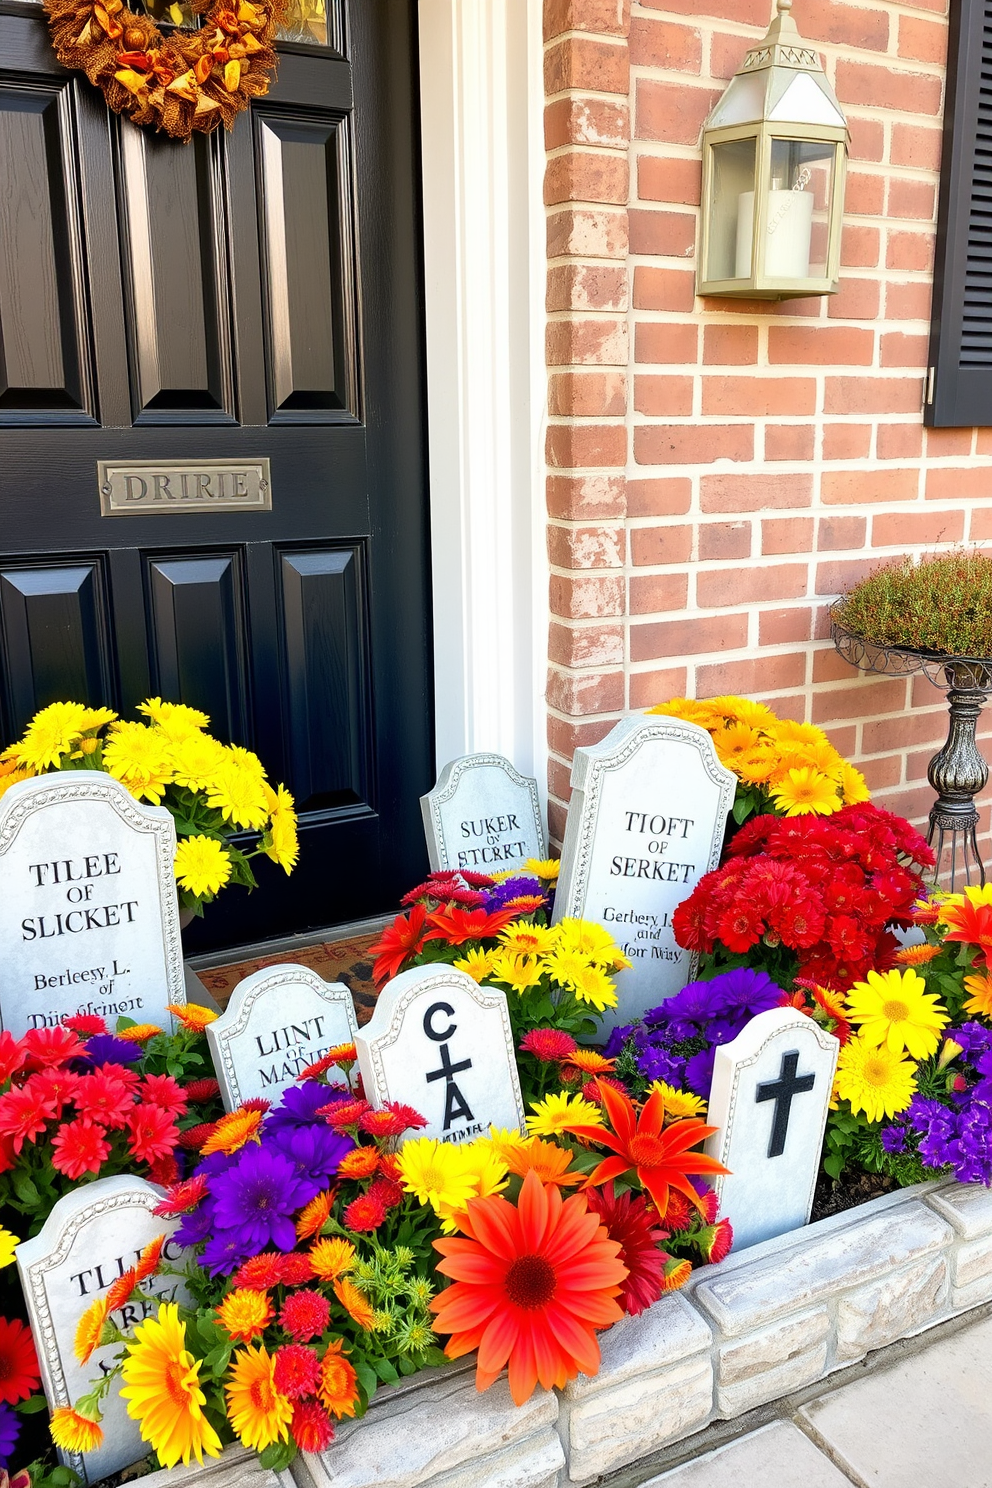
{"points": [[145, 488]]}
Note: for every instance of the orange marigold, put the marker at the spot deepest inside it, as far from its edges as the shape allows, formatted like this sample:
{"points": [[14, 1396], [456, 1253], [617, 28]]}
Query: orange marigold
{"points": [[360, 1162], [139, 1033], [917, 955], [192, 1015], [245, 1314], [331, 1258], [233, 1131], [89, 1328]]}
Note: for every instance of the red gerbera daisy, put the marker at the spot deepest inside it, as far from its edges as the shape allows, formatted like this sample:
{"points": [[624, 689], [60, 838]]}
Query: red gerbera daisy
{"points": [[305, 1315], [60, 1084], [45, 1046], [104, 1098], [79, 1147], [403, 938], [457, 925], [12, 1055], [386, 1191], [532, 1283], [548, 1044], [297, 1371], [367, 1212], [201, 1090], [161, 1170], [312, 1427], [151, 1133], [678, 1213], [634, 1225], [165, 1092], [183, 1197], [19, 1373], [24, 1114]]}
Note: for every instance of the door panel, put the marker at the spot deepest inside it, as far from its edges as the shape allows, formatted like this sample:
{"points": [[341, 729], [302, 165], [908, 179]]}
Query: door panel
{"points": [[222, 301]]}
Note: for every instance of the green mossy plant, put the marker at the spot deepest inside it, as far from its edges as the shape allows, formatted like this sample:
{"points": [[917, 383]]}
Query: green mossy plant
{"points": [[941, 605]]}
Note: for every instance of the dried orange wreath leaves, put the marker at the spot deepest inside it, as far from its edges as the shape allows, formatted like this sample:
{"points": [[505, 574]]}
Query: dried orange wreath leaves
{"points": [[184, 82]]}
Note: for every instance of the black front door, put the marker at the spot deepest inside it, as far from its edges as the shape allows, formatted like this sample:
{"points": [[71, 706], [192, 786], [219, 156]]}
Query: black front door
{"points": [[246, 297]]}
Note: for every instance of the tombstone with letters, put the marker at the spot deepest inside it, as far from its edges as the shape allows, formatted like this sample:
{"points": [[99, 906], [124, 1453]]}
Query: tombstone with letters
{"points": [[89, 920], [278, 1021], [89, 1240], [440, 1043], [483, 816], [646, 820], [769, 1102]]}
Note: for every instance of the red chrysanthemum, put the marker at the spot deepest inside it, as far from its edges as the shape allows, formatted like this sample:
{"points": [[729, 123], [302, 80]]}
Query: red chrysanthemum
{"points": [[305, 1315], [165, 1092], [318, 1068], [340, 1114], [47, 1046], [548, 1044], [151, 1133], [679, 1213], [296, 1269], [312, 1427], [19, 1373], [105, 1098], [24, 1114], [12, 1055], [367, 1212], [590, 1090], [193, 1138], [408, 1116], [200, 1091], [383, 1123], [164, 1171], [456, 925], [532, 1283], [259, 1274], [634, 1226], [402, 939], [297, 1371], [386, 1191], [256, 1103], [86, 1024], [183, 1197], [79, 1147], [740, 927]]}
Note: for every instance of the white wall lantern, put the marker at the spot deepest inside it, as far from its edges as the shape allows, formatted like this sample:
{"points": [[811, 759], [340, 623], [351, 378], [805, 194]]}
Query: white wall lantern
{"points": [[774, 162]]}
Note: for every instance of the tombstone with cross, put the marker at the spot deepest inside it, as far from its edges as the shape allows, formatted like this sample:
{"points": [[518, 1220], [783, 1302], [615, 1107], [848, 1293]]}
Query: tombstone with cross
{"points": [[442, 1044], [769, 1100]]}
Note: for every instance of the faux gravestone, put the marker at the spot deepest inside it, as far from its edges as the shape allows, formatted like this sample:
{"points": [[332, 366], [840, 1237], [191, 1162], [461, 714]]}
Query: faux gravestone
{"points": [[440, 1043], [89, 919], [278, 1021], [646, 821], [90, 1239], [769, 1100], [482, 815]]}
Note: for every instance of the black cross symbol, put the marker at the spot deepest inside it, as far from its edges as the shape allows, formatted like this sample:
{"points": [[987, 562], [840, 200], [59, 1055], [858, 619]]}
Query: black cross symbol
{"points": [[455, 1103], [781, 1091], [448, 1071]]}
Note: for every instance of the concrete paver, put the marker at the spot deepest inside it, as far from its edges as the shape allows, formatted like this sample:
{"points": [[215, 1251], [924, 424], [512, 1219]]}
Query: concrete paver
{"points": [[777, 1456], [926, 1422]]}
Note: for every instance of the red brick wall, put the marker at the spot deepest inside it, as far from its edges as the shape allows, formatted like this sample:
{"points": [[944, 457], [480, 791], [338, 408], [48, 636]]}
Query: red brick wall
{"points": [[719, 470]]}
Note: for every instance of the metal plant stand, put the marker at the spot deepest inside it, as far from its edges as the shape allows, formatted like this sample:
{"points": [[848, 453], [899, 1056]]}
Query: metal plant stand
{"points": [[957, 771]]}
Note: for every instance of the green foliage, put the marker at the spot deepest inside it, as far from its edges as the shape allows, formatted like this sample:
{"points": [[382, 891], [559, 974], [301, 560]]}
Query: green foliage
{"points": [[942, 604]]}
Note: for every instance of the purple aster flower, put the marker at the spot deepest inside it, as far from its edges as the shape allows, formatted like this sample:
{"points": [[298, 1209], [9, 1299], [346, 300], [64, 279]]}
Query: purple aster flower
{"points": [[973, 1038], [256, 1199], [10, 1430], [300, 1104], [617, 1039], [748, 991], [696, 1003], [659, 1064], [104, 1048], [197, 1226], [699, 1072], [225, 1251], [893, 1139], [511, 888], [314, 1151]]}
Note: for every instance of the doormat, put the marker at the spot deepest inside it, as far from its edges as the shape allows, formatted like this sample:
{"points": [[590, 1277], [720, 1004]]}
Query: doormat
{"points": [[345, 961]]}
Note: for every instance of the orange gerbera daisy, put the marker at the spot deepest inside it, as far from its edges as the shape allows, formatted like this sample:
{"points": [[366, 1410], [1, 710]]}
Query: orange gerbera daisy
{"points": [[338, 1388], [313, 1216], [233, 1132], [980, 988], [968, 920], [590, 1062], [192, 1015], [917, 955], [532, 1283], [354, 1302], [659, 1155], [549, 1161]]}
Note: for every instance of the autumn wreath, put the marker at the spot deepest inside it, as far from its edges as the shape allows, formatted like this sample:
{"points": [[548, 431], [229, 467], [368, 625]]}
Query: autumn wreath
{"points": [[186, 81]]}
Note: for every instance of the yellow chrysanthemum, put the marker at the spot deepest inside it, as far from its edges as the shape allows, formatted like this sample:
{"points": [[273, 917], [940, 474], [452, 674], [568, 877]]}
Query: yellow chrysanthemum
{"points": [[237, 794], [331, 1257], [558, 1112], [233, 1131], [593, 986], [806, 791], [9, 777], [245, 1314], [757, 766], [139, 1034], [742, 710], [8, 1245], [51, 734], [874, 1080], [543, 868], [192, 1015], [691, 711], [678, 1103], [519, 973], [195, 759], [521, 938], [786, 731], [980, 1000], [202, 865], [259, 1413], [734, 742], [284, 848], [489, 1174], [176, 719], [162, 1390], [74, 1431], [588, 939], [436, 1173], [477, 963], [564, 965], [894, 1008], [139, 757], [355, 1303]]}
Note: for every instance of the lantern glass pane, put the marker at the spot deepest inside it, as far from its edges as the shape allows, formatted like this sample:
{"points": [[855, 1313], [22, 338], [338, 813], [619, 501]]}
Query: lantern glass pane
{"points": [[800, 198], [731, 224]]}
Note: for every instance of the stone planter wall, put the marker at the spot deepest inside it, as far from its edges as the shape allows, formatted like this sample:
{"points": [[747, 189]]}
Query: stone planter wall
{"points": [[771, 1320]]}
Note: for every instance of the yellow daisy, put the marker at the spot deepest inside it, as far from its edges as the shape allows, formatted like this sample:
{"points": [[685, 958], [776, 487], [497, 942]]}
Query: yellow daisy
{"points": [[678, 1103], [521, 938], [894, 1008], [139, 757], [564, 965], [489, 1174], [191, 1015], [177, 719], [786, 731], [735, 741], [588, 939], [477, 963], [506, 1141], [806, 791], [980, 988], [75, 1431], [237, 794], [742, 710], [50, 734], [259, 1413], [8, 1245], [557, 1113], [436, 1173], [543, 868], [688, 709], [874, 1080], [284, 846], [757, 766], [519, 973], [202, 865], [162, 1390], [593, 986], [196, 759], [853, 784]]}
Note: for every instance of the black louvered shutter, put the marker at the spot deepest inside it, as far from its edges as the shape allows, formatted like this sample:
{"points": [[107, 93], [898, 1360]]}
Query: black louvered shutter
{"points": [[960, 394]]}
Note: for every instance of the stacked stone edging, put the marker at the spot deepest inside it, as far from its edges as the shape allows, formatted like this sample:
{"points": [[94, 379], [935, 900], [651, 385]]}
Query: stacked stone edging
{"points": [[766, 1322]]}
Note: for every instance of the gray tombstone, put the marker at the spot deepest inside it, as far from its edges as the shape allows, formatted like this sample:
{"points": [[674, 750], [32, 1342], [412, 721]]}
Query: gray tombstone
{"points": [[769, 1101], [90, 1239], [89, 919], [482, 815], [440, 1043], [646, 821], [278, 1021]]}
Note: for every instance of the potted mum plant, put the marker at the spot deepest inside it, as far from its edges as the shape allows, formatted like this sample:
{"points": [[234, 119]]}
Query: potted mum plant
{"points": [[933, 616]]}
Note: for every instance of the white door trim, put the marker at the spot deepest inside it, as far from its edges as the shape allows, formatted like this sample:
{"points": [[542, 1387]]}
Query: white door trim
{"points": [[482, 105]]}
